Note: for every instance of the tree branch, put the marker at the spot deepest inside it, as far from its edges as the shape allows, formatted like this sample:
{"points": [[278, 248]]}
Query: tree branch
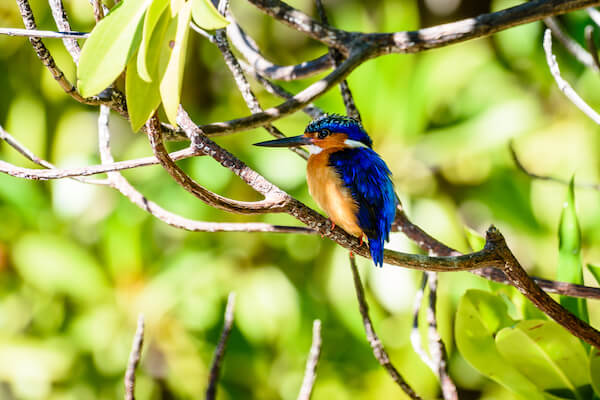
{"points": [[310, 374], [215, 368], [43, 34], [378, 350], [62, 23], [134, 359]]}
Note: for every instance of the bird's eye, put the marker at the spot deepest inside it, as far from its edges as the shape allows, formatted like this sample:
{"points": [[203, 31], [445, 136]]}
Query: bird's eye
{"points": [[324, 133]]}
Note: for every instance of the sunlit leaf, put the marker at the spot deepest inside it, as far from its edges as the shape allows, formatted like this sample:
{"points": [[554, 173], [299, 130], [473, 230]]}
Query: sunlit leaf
{"points": [[475, 239], [143, 98], [595, 370], [570, 266], [170, 85], [206, 15], [151, 27], [547, 354], [111, 44], [595, 271], [479, 317], [176, 6]]}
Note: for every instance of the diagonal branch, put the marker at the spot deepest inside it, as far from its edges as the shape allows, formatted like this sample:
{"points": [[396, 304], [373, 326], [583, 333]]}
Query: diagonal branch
{"points": [[378, 350], [62, 23], [215, 368], [134, 359], [310, 374]]}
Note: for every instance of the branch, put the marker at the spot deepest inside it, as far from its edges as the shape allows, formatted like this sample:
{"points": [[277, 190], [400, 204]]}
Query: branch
{"points": [[378, 350], [43, 34], [569, 44], [215, 368], [248, 48], [564, 85], [134, 359], [310, 374], [62, 23], [591, 45], [533, 175]]}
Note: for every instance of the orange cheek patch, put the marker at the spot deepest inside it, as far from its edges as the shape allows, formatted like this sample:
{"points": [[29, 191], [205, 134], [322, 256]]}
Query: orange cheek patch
{"points": [[333, 140]]}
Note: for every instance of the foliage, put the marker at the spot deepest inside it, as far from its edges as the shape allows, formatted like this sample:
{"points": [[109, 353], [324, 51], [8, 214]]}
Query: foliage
{"points": [[78, 263]]}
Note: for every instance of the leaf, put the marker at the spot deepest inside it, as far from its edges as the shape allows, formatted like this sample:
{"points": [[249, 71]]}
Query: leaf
{"points": [[170, 85], [595, 370], [206, 15], [479, 317], [151, 22], [595, 270], [474, 239], [143, 98], [547, 354], [111, 44], [569, 254]]}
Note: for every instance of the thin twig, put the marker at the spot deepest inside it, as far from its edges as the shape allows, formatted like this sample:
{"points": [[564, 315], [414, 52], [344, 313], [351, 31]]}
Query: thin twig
{"points": [[134, 359], [43, 34], [338, 57], [62, 23], [564, 85], [215, 368], [378, 350], [533, 175], [415, 334], [310, 373], [570, 44], [98, 9], [591, 45]]}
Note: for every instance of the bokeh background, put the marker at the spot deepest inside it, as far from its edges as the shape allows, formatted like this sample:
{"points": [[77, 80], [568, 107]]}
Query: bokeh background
{"points": [[79, 262]]}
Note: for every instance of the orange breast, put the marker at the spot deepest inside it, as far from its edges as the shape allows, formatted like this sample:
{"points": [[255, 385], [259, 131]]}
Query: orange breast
{"points": [[325, 186]]}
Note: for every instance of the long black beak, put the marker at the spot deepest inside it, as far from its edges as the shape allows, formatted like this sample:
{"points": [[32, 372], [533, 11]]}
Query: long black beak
{"points": [[293, 141]]}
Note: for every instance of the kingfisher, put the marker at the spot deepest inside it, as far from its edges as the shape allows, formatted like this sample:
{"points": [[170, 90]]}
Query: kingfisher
{"points": [[348, 180]]}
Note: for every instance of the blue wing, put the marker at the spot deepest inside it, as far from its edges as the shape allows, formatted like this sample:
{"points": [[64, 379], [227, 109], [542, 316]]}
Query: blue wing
{"points": [[367, 177]]}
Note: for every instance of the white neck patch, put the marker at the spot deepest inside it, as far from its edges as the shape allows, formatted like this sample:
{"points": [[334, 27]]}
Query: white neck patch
{"points": [[313, 149], [354, 143]]}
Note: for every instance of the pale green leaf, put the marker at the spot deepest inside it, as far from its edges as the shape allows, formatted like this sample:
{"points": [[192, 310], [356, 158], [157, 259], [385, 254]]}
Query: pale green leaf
{"points": [[595, 270], [151, 24], [170, 85], [110, 46], [143, 98], [547, 354], [475, 240], [479, 317], [206, 15], [595, 370], [570, 266]]}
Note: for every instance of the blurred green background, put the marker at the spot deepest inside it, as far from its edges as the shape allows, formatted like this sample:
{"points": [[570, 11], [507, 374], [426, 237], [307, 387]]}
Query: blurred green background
{"points": [[79, 262]]}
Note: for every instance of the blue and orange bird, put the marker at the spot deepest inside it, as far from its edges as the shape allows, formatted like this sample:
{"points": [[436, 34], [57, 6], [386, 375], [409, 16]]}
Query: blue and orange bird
{"points": [[348, 179]]}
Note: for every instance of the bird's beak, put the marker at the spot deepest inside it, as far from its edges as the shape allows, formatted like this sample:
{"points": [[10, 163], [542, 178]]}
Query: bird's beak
{"points": [[294, 141]]}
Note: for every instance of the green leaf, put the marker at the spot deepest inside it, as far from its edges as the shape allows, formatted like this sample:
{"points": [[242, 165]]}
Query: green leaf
{"points": [[143, 98], [170, 85], [151, 23], [595, 370], [570, 266], [110, 46], [206, 15], [479, 317], [595, 270], [547, 354], [474, 239]]}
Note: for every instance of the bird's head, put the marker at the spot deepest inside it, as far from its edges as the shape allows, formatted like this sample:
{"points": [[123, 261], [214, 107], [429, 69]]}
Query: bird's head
{"points": [[330, 131]]}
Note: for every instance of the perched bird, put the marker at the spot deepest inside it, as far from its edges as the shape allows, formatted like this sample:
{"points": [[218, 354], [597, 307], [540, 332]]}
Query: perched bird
{"points": [[347, 178]]}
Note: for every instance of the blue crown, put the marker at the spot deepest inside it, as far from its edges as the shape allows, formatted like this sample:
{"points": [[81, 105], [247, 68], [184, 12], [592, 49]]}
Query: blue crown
{"points": [[342, 124]]}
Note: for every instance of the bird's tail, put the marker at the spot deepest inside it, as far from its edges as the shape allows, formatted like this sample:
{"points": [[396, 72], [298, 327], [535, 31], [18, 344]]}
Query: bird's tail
{"points": [[376, 249]]}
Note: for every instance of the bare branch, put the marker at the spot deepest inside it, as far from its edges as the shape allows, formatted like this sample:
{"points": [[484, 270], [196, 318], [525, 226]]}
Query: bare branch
{"points": [[378, 350], [571, 45], [134, 359], [564, 85], [310, 374], [591, 45], [248, 48], [47, 59], [215, 368], [43, 34], [415, 334], [338, 57], [533, 175], [98, 9], [62, 23], [594, 15]]}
